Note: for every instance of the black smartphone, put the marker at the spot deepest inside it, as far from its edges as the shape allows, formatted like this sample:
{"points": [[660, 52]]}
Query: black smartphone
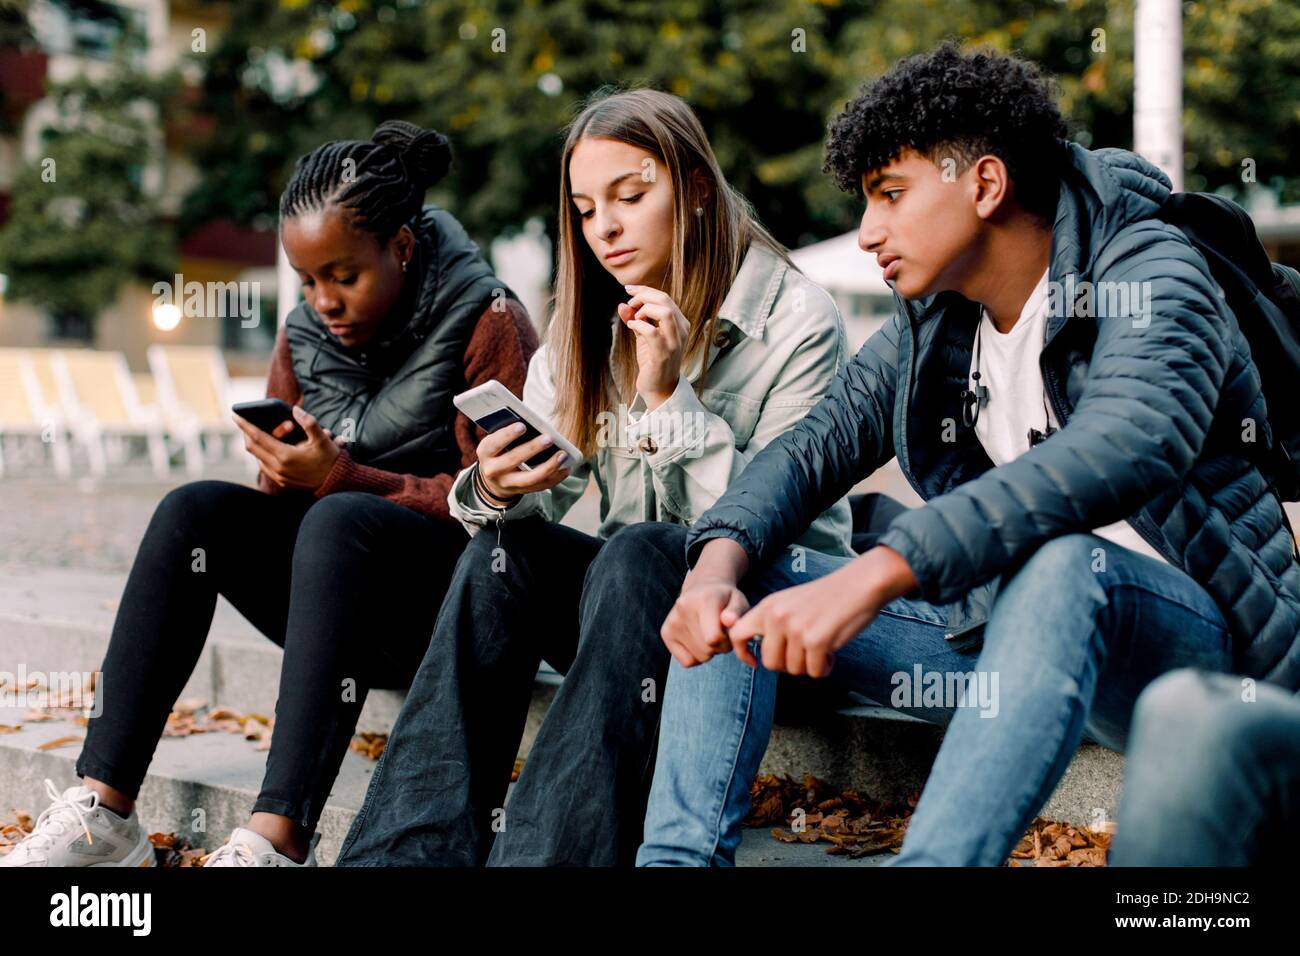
{"points": [[494, 421], [267, 413]]}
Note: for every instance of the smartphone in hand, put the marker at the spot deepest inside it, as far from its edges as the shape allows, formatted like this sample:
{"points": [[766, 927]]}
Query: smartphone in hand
{"points": [[492, 406], [267, 413]]}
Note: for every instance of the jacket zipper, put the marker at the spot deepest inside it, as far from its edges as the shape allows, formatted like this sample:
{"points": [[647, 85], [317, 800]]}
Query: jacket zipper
{"points": [[900, 447]]}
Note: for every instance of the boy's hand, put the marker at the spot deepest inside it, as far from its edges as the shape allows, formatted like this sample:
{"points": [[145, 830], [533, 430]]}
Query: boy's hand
{"points": [[803, 626], [710, 602], [695, 628]]}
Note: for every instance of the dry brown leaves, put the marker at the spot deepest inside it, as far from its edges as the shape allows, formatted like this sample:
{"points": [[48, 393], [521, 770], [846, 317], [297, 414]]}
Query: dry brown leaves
{"points": [[369, 744], [856, 826], [192, 716], [170, 850], [68, 705], [1052, 843], [13, 832]]}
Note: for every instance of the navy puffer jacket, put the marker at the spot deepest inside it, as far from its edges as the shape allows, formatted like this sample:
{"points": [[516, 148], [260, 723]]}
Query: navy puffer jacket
{"points": [[1155, 410]]}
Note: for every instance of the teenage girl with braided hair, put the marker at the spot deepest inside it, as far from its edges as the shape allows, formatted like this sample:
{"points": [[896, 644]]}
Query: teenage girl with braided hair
{"points": [[343, 552]]}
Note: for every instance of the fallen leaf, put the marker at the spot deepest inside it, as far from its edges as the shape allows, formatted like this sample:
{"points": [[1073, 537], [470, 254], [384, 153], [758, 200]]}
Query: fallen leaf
{"points": [[370, 744], [856, 826]]}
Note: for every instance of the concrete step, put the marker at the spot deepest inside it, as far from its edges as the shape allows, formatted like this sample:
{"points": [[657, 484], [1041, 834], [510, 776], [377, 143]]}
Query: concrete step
{"points": [[201, 787], [58, 619]]}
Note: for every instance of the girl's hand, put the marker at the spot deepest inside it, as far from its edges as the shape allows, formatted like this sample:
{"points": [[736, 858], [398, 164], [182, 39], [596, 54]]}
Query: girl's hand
{"points": [[499, 467], [304, 465], [661, 331]]}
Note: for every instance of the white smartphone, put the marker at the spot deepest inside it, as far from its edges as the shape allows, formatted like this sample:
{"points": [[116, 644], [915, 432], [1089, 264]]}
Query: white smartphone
{"points": [[492, 406]]}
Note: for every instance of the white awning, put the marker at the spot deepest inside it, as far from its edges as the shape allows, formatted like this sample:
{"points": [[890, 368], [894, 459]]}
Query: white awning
{"points": [[839, 266]]}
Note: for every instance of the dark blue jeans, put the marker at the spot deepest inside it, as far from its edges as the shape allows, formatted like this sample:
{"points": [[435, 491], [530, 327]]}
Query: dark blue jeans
{"points": [[1212, 776], [437, 797]]}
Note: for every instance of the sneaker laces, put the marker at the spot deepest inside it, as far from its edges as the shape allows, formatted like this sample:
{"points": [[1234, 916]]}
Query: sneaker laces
{"points": [[239, 854], [55, 819]]}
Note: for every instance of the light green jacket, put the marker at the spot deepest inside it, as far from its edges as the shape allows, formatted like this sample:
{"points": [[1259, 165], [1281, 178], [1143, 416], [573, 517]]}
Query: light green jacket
{"points": [[779, 342]]}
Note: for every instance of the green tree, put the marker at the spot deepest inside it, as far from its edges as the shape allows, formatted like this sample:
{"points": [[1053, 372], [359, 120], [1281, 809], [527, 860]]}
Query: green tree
{"points": [[81, 224], [502, 78]]}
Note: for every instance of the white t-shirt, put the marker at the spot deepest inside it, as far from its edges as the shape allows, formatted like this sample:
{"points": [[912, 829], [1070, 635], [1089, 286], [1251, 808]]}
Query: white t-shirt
{"points": [[1009, 367]]}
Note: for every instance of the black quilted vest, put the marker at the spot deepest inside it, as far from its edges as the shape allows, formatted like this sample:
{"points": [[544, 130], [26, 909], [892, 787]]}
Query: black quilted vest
{"points": [[392, 395]]}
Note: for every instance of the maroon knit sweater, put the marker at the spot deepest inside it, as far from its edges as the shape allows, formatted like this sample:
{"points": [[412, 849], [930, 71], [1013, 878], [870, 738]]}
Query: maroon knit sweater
{"points": [[502, 344]]}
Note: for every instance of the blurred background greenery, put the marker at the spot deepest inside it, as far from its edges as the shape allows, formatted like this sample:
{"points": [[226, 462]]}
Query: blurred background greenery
{"points": [[764, 105], [217, 104]]}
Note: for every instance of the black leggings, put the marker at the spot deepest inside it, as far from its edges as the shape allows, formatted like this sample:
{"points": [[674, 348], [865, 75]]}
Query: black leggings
{"points": [[349, 585]]}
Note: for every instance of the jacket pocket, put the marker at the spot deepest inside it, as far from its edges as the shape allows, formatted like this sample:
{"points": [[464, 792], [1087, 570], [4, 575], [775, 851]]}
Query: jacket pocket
{"points": [[739, 411], [967, 617]]}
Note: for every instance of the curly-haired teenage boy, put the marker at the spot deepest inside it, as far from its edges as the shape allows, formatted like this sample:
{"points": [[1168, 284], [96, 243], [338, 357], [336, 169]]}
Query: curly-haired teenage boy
{"points": [[1065, 387]]}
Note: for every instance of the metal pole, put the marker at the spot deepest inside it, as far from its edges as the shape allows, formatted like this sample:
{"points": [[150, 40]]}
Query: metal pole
{"points": [[286, 284], [1158, 85]]}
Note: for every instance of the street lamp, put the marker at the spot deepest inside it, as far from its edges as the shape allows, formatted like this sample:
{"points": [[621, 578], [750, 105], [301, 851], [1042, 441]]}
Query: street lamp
{"points": [[166, 317]]}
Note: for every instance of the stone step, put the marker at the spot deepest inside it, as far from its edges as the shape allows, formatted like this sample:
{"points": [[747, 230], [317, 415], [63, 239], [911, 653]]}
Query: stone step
{"points": [[202, 787], [56, 619]]}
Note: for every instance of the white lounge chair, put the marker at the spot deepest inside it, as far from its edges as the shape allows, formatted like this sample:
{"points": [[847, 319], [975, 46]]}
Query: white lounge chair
{"points": [[24, 412], [103, 409], [193, 393]]}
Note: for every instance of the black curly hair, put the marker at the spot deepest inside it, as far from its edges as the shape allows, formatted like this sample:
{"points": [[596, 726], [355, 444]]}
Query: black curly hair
{"points": [[961, 104], [379, 184]]}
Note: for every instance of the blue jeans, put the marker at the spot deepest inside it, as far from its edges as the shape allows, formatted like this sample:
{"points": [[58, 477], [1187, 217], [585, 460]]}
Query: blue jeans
{"points": [[1213, 774], [1066, 650]]}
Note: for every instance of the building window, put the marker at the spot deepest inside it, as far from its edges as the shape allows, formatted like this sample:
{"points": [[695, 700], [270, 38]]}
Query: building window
{"points": [[72, 326], [90, 28], [259, 338]]}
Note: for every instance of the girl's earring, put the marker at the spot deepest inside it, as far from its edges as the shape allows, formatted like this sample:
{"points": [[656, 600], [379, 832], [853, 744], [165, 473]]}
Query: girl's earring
{"points": [[405, 263], [699, 211]]}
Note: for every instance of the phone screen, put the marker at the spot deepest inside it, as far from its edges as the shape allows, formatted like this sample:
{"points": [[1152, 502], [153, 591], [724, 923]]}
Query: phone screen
{"points": [[504, 416], [268, 414]]}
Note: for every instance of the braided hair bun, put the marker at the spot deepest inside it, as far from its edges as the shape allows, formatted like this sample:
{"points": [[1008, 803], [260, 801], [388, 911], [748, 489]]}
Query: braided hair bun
{"points": [[425, 153], [380, 183]]}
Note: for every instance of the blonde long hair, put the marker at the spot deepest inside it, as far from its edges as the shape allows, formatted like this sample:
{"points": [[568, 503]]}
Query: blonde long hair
{"points": [[706, 254]]}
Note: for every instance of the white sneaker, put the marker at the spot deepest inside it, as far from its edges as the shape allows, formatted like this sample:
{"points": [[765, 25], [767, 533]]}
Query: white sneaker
{"points": [[75, 830], [247, 848]]}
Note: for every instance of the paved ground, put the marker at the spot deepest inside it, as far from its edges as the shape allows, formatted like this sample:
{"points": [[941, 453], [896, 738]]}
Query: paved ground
{"points": [[96, 524]]}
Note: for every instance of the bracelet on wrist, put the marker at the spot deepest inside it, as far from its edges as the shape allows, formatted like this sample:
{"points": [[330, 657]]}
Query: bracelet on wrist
{"points": [[489, 499]]}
